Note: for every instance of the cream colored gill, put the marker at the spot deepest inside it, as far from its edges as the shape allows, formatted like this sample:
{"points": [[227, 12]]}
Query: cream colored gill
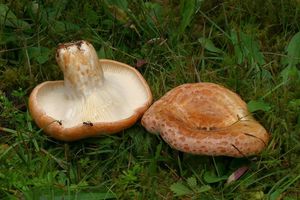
{"points": [[121, 93]]}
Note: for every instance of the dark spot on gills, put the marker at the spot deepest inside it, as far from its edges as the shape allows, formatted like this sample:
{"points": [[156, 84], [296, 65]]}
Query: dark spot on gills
{"points": [[88, 123]]}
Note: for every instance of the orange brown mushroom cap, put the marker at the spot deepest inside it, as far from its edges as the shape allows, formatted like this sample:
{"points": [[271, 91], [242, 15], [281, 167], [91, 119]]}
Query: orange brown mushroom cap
{"points": [[206, 119], [96, 97]]}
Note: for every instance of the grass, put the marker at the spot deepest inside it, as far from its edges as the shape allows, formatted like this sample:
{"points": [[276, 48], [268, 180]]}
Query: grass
{"points": [[251, 47]]}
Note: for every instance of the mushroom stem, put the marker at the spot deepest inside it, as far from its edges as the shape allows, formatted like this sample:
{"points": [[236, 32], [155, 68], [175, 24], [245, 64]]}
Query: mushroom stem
{"points": [[82, 70]]}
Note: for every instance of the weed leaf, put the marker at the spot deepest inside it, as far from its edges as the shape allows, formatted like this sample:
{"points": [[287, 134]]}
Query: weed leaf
{"points": [[63, 26], [203, 188], [293, 50], [255, 105], [187, 8], [179, 189], [289, 72], [118, 9], [276, 194], [155, 13], [122, 4], [209, 45], [246, 48], [39, 54], [292, 59], [237, 48], [8, 18], [210, 177], [6, 38], [192, 182], [294, 104]]}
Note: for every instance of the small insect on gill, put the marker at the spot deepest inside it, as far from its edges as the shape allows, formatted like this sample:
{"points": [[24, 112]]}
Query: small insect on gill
{"points": [[88, 123]]}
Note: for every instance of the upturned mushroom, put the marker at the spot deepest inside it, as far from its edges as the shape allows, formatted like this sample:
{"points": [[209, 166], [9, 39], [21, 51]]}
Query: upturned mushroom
{"points": [[96, 97], [206, 119]]}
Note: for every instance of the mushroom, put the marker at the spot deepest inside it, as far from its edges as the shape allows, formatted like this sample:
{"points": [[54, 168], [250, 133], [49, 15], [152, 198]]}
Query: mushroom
{"points": [[96, 97], [206, 119]]}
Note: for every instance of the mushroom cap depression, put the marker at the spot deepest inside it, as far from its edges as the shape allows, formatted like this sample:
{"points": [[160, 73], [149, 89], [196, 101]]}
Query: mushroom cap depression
{"points": [[96, 97], [206, 119]]}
